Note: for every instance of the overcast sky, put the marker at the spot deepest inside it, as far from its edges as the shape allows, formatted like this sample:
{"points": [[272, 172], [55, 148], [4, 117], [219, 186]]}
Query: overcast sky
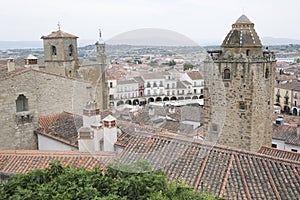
{"points": [[200, 20]]}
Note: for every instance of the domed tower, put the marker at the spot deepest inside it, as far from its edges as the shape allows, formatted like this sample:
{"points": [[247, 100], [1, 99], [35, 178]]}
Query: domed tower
{"points": [[238, 92], [60, 53]]}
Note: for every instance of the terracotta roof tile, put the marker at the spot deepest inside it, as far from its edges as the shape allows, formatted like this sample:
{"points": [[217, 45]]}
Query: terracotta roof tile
{"points": [[62, 127], [24, 161], [288, 155], [195, 75], [59, 34], [225, 172]]}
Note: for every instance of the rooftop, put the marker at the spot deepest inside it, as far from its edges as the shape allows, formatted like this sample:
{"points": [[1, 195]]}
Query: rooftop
{"points": [[23, 161], [59, 34], [225, 172]]}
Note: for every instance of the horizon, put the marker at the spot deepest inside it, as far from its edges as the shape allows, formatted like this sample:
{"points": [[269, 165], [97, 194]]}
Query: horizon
{"points": [[200, 21]]}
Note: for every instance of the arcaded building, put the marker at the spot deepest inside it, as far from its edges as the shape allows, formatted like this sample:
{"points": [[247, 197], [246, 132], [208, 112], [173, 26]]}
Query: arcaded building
{"points": [[238, 91]]}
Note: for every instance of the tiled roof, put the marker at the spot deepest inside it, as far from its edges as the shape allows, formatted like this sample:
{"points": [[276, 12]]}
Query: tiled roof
{"points": [[62, 127], [289, 155], [138, 79], [23, 161], [155, 75], [225, 172], [180, 85], [295, 86], [124, 82], [195, 75], [286, 133], [4, 74], [59, 34]]}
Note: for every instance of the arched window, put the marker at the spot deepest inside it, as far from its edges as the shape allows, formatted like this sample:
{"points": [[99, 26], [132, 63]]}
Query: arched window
{"points": [[53, 50], [227, 73], [70, 50], [22, 103]]}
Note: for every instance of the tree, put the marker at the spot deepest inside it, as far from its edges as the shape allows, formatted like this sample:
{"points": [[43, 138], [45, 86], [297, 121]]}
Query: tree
{"points": [[172, 63], [187, 66], [117, 182]]}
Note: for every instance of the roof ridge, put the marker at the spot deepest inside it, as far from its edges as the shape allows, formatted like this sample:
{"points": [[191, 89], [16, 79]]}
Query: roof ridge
{"points": [[271, 179], [225, 179], [243, 177]]}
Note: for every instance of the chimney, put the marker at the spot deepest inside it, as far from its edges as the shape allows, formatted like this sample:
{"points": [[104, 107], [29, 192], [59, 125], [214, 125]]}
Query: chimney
{"points": [[109, 133], [90, 134], [85, 139], [31, 62], [91, 114], [11, 66]]}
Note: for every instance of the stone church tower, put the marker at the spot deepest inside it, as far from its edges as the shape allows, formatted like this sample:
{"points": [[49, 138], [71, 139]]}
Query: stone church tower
{"points": [[238, 91], [101, 66], [60, 53]]}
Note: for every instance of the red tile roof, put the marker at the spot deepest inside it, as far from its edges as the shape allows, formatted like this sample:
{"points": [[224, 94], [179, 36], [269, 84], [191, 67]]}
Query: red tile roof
{"points": [[23, 161], [195, 75], [289, 155], [225, 172], [59, 34], [4, 74]]}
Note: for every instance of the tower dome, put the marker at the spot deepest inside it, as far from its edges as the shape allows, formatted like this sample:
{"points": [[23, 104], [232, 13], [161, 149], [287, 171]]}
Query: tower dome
{"points": [[242, 35]]}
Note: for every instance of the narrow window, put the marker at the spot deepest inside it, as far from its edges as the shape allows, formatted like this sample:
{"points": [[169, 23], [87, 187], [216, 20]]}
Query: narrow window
{"points": [[274, 145], [247, 52], [267, 73], [242, 105], [227, 74], [53, 51], [294, 150], [70, 50], [110, 84], [22, 103]]}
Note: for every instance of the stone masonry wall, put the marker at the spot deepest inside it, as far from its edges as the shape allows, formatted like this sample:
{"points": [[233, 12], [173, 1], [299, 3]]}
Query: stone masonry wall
{"points": [[46, 94]]}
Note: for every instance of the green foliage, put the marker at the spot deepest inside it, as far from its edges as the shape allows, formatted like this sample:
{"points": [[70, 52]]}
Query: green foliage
{"points": [[172, 63], [117, 182], [187, 66]]}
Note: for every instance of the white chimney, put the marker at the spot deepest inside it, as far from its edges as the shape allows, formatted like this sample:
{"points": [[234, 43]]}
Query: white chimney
{"points": [[31, 62], [11, 66], [110, 133], [90, 134], [91, 114], [98, 136], [86, 139]]}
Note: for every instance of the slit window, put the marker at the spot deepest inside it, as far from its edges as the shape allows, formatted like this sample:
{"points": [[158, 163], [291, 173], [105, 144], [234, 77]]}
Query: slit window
{"points": [[70, 50]]}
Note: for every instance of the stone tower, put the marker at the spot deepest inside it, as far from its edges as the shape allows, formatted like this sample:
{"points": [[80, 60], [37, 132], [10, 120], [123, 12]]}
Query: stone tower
{"points": [[101, 66], [238, 91], [60, 53]]}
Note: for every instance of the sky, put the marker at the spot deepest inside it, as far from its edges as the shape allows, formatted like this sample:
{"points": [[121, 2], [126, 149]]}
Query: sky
{"points": [[200, 20]]}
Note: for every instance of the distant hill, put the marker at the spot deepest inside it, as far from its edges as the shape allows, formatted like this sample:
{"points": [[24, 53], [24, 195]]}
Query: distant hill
{"points": [[278, 41], [152, 37], [20, 44]]}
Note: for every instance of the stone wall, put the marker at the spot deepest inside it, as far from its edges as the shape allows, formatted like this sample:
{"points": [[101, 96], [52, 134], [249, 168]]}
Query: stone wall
{"points": [[225, 122], [46, 94]]}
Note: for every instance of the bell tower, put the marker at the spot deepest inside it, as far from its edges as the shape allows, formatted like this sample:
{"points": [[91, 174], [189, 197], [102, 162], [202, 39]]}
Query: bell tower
{"points": [[238, 91], [60, 53], [101, 66]]}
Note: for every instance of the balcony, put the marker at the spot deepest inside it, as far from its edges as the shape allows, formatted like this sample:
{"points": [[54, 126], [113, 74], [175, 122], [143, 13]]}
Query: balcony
{"points": [[24, 117]]}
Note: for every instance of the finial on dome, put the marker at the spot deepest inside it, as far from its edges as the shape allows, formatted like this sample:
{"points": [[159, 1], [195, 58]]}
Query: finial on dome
{"points": [[58, 25]]}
